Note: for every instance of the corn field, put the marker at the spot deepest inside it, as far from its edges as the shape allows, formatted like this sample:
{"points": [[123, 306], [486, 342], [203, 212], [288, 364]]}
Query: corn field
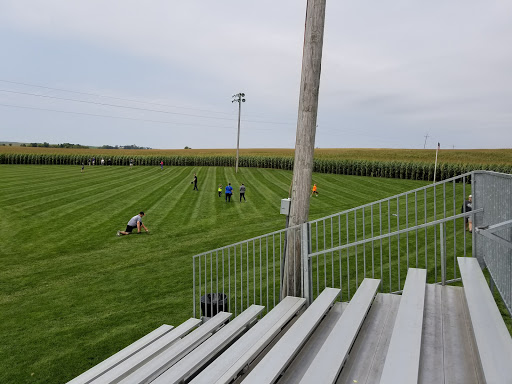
{"points": [[387, 169]]}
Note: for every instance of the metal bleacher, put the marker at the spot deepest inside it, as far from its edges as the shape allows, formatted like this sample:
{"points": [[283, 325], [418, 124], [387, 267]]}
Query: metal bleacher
{"points": [[429, 334]]}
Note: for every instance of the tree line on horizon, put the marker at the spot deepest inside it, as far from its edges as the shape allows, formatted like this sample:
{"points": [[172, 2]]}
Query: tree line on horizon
{"points": [[78, 146]]}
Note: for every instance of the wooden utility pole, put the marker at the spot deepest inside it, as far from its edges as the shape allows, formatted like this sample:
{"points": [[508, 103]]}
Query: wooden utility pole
{"points": [[305, 142]]}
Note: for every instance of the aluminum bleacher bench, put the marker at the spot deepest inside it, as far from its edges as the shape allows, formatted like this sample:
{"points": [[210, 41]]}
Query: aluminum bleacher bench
{"points": [[211, 348], [492, 338], [246, 349], [326, 365], [279, 357], [122, 355], [174, 341], [368, 353], [403, 356], [151, 371]]}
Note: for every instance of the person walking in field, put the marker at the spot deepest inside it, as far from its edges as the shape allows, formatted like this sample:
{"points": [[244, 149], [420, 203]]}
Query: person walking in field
{"points": [[314, 192], [82, 170], [131, 163], [228, 192], [195, 183], [162, 165], [220, 190], [135, 222], [242, 192]]}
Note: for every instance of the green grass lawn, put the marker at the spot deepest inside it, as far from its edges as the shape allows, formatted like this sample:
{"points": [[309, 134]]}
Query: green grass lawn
{"points": [[72, 293]]}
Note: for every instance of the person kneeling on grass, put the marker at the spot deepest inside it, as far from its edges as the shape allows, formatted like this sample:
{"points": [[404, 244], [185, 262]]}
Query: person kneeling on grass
{"points": [[135, 222]]}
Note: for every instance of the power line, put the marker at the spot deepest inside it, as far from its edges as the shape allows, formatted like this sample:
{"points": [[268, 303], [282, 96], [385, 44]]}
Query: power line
{"points": [[327, 132], [118, 98], [136, 108], [321, 132], [112, 97], [111, 105], [121, 117]]}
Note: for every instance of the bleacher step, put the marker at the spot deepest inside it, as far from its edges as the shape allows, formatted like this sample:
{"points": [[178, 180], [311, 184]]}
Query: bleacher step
{"points": [[403, 355], [368, 354], [447, 349]]}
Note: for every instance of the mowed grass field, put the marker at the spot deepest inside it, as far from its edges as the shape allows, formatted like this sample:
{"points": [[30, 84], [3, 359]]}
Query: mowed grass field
{"points": [[72, 293]]}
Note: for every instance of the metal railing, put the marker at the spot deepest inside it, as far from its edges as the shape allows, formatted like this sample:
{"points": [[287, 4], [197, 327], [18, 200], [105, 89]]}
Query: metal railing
{"points": [[423, 228], [401, 230], [247, 272], [387, 256]]}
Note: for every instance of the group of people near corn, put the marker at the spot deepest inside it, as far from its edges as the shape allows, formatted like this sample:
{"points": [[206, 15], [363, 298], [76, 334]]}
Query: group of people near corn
{"points": [[229, 192]]}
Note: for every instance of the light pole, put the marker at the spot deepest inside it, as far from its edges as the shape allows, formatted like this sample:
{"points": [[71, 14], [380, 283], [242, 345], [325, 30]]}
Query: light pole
{"points": [[238, 98]]}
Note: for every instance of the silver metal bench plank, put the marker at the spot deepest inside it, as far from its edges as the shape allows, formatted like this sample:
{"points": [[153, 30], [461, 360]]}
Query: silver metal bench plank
{"points": [[403, 357], [278, 358], [477, 364], [151, 369], [491, 335], [207, 351], [461, 363], [249, 346], [327, 364], [129, 365], [303, 359], [367, 356], [431, 360], [120, 356]]}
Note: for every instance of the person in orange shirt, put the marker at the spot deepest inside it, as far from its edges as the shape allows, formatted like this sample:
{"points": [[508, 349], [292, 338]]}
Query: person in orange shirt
{"points": [[314, 192]]}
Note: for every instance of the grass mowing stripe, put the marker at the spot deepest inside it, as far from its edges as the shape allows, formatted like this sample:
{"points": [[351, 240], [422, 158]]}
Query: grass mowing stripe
{"points": [[47, 178], [57, 191], [269, 192], [279, 180], [58, 209], [164, 206], [202, 196]]}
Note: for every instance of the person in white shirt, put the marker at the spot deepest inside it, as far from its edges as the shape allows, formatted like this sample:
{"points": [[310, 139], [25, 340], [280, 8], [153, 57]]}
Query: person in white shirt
{"points": [[135, 222]]}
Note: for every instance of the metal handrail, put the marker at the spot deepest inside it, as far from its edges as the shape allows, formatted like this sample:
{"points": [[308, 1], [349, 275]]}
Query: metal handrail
{"points": [[396, 233], [247, 240], [394, 197]]}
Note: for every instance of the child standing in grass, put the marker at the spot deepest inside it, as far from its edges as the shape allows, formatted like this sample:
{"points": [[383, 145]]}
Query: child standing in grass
{"points": [[220, 190], [314, 192]]}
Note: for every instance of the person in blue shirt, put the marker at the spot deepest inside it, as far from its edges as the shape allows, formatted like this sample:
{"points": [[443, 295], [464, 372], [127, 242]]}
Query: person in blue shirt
{"points": [[229, 192]]}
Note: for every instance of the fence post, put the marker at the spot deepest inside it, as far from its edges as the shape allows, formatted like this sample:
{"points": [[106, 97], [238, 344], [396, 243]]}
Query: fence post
{"points": [[194, 285], [443, 252], [306, 283]]}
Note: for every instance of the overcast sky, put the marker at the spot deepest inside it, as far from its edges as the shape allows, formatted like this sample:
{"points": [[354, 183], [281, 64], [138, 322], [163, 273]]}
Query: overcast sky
{"points": [[161, 73]]}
